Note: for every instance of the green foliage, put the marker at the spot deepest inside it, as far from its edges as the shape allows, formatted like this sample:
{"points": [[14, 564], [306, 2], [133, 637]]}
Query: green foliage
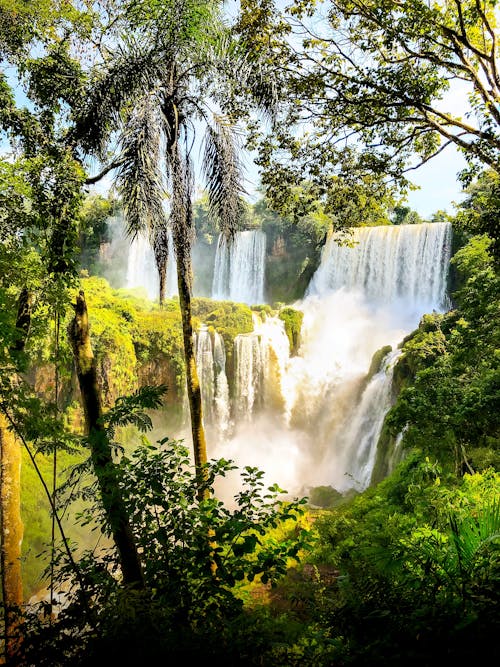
{"points": [[293, 323], [132, 409], [324, 496], [404, 215], [193, 555], [376, 362], [94, 231], [418, 556], [449, 370], [479, 212], [293, 245], [374, 75], [136, 343], [228, 318]]}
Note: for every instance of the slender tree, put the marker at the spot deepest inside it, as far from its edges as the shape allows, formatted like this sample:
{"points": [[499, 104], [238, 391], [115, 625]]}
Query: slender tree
{"points": [[104, 466], [11, 524], [158, 97]]}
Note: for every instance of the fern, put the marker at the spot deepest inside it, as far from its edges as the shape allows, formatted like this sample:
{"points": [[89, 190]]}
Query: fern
{"points": [[131, 409]]}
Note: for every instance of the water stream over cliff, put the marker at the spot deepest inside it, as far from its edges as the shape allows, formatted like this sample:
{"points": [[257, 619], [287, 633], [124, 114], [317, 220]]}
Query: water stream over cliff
{"points": [[141, 268], [315, 418], [239, 268]]}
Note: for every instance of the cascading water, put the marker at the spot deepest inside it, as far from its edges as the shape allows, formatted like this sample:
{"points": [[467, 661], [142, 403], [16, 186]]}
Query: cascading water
{"points": [[210, 357], [248, 374], [239, 268], [222, 406], [364, 425], [261, 358], [206, 375], [326, 427], [141, 267], [389, 264]]}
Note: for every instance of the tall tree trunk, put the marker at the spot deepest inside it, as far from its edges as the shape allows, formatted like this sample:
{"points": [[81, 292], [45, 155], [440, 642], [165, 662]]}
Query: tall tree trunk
{"points": [[193, 382], [162, 272], [183, 234], [102, 460], [11, 525], [159, 239]]}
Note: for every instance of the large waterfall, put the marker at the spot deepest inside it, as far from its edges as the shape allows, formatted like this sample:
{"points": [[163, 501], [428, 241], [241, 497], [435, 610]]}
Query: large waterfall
{"points": [[388, 264], [314, 419], [141, 267], [239, 268]]}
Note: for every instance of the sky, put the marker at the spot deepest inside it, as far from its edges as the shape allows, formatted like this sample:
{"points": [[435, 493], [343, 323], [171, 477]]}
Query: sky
{"points": [[437, 179], [439, 186]]}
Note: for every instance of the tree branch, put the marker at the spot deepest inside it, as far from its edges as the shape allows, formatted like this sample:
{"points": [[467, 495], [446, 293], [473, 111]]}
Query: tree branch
{"points": [[91, 180]]}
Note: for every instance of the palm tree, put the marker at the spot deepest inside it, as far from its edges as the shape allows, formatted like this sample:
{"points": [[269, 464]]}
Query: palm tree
{"points": [[157, 89]]}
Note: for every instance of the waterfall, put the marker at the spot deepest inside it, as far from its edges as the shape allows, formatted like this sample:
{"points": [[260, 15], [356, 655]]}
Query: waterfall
{"points": [[205, 367], [239, 268], [142, 271], [389, 263], [222, 405], [248, 374], [261, 360], [313, 419], [210, 357], [362, 429]]}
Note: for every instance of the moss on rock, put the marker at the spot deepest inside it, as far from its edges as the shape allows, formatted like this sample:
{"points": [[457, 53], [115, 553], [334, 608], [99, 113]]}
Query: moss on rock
{"points": [[292, 320]]}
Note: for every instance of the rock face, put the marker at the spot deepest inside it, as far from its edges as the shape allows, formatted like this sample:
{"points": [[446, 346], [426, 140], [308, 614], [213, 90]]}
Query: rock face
{"points": [[138, 344]]}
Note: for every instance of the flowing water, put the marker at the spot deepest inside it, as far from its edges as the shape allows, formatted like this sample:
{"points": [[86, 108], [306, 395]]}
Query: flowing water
{"points": [[141, 268], [314, 419], [239, 268]]}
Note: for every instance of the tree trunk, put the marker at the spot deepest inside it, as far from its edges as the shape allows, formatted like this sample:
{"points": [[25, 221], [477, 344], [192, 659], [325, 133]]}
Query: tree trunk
{"points": [[11, 527], [183, 235], [162, 272], [102, 460], [193, 383]]}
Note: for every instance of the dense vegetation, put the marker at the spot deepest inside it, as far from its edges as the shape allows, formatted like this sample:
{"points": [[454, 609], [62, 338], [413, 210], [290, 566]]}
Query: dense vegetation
{"points": [[406, 572]]}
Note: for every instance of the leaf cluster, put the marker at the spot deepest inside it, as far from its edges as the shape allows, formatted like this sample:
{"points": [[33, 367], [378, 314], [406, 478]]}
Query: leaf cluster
{"points": [[449, 404]]}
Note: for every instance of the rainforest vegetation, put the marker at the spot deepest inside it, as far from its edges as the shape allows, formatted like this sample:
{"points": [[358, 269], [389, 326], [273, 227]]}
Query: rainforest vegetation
{"points": [[115, 547]]}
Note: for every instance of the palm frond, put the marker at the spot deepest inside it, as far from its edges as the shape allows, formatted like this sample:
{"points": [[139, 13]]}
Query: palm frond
{"points": [[223, 172], [140, 180], [131, 70], [258, 79], [474, 534], [160, 243], [132, 409]]}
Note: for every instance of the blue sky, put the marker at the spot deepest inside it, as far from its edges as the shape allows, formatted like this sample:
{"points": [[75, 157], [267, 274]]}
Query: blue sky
{"points": [[439, 186]]}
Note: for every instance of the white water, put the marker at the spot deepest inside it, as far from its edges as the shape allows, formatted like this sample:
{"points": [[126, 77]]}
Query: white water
{"points": [[210, 357], [306, 420], [142, 271], [222, 406], [389, 264], [206, 374], [364, 425], [240, 268], [261, 358]]}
